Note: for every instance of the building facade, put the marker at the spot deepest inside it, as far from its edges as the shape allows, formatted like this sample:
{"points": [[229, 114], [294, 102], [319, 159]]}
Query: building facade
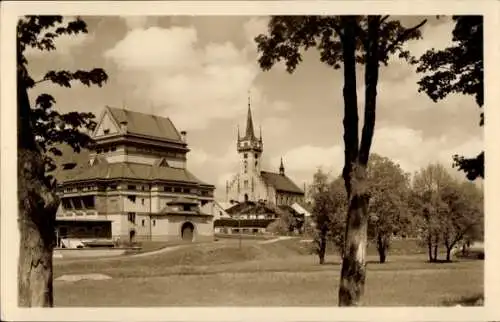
{"points": [[134, 184], [251, 183]]}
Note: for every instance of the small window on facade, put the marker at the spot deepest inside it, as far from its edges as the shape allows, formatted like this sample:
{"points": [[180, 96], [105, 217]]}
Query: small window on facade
{"points": [[131, 198], [131, 217], [112, 186], [154, 222], [177, 189], [131, 187], [245, 155], [106, 131], [113, 148], [143, 222], [142, 201]]}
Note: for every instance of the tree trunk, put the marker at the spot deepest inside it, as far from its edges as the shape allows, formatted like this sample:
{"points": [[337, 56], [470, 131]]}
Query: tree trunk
{"points": [[353, 273], [429, 249], [448, 254], [322, 247], [436, 246], [354, 260], [37, 207], [381, 248]]}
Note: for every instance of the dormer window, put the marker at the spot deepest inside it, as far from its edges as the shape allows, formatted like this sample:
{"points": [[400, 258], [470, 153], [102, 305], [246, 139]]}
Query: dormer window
{"points": [[106, 131]]}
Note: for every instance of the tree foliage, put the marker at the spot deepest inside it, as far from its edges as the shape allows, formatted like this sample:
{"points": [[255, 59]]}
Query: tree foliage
{"points": [[49, 126], [458, 69], [389, 190], [448, 211], [344, 41], [328, 212], [40, 129]]}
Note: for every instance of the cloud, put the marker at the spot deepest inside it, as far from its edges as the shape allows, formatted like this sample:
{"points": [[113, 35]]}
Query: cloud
{"points": [[403, 145], [192, 83], [409, 148], [274, 127], [64, 44], [135, 22]]}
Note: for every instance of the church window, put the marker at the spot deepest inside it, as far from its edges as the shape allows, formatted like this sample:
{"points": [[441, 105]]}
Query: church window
{"points": [[245, 184], [246, 166]]}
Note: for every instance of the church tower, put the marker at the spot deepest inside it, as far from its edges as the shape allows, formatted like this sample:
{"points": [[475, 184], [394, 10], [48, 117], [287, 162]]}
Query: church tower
{"points": [[250, 150]]}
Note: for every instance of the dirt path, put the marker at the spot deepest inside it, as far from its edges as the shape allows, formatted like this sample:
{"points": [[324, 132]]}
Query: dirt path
{"points": [[280, 238], [62, 261]]}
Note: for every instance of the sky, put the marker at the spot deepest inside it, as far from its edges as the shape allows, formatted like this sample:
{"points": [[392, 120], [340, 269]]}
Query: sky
{"points": [[198, 70]]}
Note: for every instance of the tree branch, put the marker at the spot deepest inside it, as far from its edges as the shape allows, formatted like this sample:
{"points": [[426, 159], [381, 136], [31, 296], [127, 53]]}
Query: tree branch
{"points": [[403, 36]]}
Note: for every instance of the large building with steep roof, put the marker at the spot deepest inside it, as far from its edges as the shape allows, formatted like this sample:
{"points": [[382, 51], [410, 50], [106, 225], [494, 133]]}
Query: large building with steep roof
{"points": [[133, 184], [251, 183]]}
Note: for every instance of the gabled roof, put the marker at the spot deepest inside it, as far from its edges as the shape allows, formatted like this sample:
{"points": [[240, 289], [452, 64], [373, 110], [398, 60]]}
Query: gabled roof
{"points": [[280, 182], [146, 124]]}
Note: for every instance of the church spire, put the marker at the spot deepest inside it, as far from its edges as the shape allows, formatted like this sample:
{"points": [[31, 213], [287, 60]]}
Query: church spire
{"points": [[249, 134], [282, 168]]}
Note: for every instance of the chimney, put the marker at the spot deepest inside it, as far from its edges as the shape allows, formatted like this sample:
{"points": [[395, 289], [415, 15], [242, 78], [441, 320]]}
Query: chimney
{"points": [[123, 126], [183, 136]]}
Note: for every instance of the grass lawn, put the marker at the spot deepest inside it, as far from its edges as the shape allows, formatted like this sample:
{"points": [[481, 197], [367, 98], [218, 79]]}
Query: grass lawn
{"points": [[276, 274]]}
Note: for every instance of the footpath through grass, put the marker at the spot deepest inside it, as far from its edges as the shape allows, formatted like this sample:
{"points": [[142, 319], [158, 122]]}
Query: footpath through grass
{"points": [[275, 274]]}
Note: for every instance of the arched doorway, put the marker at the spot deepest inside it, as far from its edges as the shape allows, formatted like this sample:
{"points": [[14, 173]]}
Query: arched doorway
{"points": [[187, 231], [132, 236]]}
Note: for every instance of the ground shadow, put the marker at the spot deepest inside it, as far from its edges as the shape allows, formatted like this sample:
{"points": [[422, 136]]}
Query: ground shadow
{"points": [[474, 300]]}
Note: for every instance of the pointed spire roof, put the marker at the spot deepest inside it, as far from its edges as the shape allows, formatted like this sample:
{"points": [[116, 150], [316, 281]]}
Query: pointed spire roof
{"points": [[282, 167], [249, 133]]}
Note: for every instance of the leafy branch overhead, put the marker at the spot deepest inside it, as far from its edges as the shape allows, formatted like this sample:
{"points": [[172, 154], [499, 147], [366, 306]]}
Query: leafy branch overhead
{"points": [[458, 69], [49, 126], [289, 34]]}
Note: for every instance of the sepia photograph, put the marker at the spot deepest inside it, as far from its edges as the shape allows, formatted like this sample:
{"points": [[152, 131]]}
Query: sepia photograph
{"points": [[248, 160]]}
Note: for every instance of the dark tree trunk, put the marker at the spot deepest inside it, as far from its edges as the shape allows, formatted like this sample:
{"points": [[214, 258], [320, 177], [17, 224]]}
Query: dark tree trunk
{"points": [[436, 247], [381, 248], [322, 247], [353, 271], [429, 249], [36, 218], [448, 254]]}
